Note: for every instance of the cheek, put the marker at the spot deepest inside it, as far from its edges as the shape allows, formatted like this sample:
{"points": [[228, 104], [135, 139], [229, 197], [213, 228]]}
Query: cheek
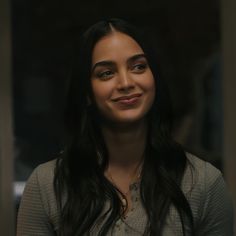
{"points": [[150, 85], [101, 92]]}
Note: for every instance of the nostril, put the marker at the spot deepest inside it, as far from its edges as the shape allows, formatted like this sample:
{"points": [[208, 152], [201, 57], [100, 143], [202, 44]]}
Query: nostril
{"points": [[126, 86], [125, 83]]}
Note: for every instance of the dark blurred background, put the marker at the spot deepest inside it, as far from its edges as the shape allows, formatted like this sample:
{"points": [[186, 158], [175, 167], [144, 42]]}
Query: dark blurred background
{"points": [[187, 34]]}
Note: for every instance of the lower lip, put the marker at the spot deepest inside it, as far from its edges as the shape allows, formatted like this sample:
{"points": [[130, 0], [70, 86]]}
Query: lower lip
{"points": [[129, 102]]}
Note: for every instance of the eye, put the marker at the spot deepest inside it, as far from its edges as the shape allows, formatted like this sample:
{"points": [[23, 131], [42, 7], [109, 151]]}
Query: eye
{"points": [[104, 75], [140, 67]]}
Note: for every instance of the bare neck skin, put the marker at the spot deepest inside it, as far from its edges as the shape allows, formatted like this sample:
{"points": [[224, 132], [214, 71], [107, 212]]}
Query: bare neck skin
{"points": [[126, 147]]}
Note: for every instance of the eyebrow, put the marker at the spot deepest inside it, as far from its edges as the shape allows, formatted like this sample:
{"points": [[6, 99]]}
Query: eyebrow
{"points": [[136, 57], [112, 63]]}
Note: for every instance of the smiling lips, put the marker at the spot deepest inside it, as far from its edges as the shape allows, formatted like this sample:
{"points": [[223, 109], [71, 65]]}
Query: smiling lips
{"points": [[128, 100]]}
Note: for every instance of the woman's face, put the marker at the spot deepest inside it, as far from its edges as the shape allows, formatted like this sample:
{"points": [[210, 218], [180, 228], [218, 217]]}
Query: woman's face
{"points": [[122, 82]]}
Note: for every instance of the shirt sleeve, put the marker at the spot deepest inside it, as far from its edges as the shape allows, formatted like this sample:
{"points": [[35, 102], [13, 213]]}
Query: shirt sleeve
{"points": [[32, 217], [217, 210]]}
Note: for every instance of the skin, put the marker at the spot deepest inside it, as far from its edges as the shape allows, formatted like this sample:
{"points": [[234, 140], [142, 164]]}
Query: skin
{"points": [[119, 68], [123, 90]]}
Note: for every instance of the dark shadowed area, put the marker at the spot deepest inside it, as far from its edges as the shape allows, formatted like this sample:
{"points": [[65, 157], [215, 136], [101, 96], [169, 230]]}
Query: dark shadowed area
{"points": [[187, 36]]}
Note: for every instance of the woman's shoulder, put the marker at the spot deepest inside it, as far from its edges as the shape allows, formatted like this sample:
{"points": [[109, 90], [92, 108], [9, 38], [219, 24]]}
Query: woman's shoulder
{"points": [[43, 177], [46, 170], [38, 203], [202, 168], [199, 176], [41, 184], [43, 174], [208, 195]]}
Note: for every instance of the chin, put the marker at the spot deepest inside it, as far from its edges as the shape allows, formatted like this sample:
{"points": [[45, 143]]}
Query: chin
{"points": [[128, 118]]}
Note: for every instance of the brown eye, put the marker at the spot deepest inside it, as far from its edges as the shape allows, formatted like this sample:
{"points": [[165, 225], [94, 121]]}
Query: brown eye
{"points": [[139, 67], [105, 74]]}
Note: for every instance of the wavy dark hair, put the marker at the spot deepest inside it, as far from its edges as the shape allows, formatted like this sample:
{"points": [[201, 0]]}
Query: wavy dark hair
{"points": [[80, 185]]}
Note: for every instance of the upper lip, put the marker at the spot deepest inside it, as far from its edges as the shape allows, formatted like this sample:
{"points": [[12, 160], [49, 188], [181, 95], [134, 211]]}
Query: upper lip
{"points": [[126, 97]]}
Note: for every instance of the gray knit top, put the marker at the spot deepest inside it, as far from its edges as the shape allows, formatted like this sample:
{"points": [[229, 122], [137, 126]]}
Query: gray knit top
{"points": [[203, 185]]}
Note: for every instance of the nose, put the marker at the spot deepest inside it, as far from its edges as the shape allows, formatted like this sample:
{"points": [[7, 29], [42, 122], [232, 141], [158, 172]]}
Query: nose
{"points": [[125, 81]]}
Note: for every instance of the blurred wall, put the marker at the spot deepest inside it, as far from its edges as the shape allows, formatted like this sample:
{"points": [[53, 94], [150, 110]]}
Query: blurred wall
{"points": [[6, 144], [229, 86]]}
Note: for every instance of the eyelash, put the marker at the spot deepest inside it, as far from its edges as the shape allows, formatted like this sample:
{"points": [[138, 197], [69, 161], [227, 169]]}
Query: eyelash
{"points": [[140, 67], [107, 74], [104, 75]]}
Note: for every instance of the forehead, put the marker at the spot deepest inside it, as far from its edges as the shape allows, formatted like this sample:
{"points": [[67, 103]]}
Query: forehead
{"points": [[115, 46]]}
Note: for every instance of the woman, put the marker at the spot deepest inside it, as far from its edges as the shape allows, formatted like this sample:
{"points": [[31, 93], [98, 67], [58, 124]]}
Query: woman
{"points": [[121, 173]]}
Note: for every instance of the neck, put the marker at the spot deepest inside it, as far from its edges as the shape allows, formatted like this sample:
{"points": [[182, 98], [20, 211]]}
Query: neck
{"points": [[125, 144]]}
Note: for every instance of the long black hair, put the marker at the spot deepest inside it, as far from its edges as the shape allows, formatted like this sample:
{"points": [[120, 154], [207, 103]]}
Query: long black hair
{"points": [[80, 185]]}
